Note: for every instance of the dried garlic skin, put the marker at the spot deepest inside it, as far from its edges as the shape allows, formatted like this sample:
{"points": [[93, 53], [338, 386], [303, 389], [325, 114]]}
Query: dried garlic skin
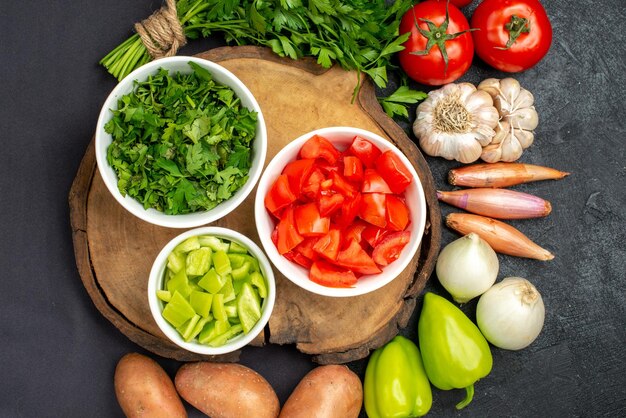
{"points": [[455, 122], [518, 119]]}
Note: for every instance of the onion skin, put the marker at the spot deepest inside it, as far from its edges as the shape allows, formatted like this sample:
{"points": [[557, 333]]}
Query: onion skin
{"points": [[497, 203], [501, 174], [511, 314], [503, 238]]}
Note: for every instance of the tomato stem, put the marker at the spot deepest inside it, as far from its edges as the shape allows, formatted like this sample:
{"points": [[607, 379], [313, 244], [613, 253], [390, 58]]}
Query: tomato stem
{"points": [[516, 27]]}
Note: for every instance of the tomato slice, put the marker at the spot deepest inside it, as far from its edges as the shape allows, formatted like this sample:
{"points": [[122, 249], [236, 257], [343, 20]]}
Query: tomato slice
{"points": [[309, 222], [312, 186], [390, 247], [341, 185], [397, 213], [319, 147], [373, 209], [328, 245], [354, 232], [393, 170], [349, 211], [365, 151], [279, 196], [329, 204], [306, 248], [327, 274], [297, 173], [374, 183], [352, 168], [298, 258], [356, 259], [288, 236], [373, 234]]}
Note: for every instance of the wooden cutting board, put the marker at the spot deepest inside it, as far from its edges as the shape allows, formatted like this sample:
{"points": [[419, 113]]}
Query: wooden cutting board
{"points": [[114, 250]]}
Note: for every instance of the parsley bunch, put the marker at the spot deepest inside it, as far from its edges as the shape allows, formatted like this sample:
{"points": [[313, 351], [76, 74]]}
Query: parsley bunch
{"points": [[360, 35], [181, 143]]}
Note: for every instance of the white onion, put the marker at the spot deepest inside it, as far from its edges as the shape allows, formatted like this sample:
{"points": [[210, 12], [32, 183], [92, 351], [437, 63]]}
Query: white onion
{"points": [[467, 267], [510, 314]]}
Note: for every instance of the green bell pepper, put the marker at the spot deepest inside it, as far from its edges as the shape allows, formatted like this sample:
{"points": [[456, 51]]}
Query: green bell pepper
{"points": [[395, 382], [455, 353]]}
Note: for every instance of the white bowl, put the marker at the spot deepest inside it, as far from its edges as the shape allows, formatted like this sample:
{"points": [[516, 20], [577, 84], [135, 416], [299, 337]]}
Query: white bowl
{"points": [[341, 137], [103, 139], [157, 274]]}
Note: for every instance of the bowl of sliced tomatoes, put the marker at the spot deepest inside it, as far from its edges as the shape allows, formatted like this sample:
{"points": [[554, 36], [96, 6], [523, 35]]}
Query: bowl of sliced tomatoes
{"points": [[340, 211]]}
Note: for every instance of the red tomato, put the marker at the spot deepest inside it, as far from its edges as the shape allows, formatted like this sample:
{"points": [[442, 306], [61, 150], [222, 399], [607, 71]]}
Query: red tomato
{"points": [[373, 235], [329, 204], [349, 211], [390, 247], [430, 66], [298, 258], [354, 232], [279, 195], [352, 168], [374, 183], [309, 222], [372, 209], [393, 170], [319, 147], [513, 35], [312, 186], [287, 234], [356, 259], [328, 245], [397, 213], [306, 248], [364, 150], [298, 172], [327, 274], [341, 185]]}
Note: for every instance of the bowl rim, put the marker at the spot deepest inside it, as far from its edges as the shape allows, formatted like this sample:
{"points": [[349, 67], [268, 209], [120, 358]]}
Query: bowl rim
{"points": [[155, 280], [292, 271], [152, 215]]}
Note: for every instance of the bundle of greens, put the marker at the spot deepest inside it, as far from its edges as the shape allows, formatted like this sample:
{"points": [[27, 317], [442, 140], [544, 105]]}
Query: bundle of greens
{"points": [[360, 35], [181, 142]]}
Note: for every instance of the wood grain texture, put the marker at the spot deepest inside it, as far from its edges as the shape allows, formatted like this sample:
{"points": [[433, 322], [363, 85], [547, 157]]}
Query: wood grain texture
{"points": [[114, 250]]}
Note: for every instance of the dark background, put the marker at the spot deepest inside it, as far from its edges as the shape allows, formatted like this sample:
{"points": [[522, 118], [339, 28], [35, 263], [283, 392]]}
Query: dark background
{"points": [[58, 354]]}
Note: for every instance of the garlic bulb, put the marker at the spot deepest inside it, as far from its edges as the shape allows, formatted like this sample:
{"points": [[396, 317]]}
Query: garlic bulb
{"points": [[467, 267], [518, 119], [455, 122], [510, 314]]}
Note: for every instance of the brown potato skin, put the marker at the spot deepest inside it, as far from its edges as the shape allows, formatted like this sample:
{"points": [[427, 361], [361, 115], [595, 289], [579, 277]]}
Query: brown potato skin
{"points": [[143, 389], [331, 391], [226, 390]]}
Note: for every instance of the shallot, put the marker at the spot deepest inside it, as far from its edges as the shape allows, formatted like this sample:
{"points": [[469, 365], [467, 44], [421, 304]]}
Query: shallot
{"points": [[497, 203], [501, 174]]}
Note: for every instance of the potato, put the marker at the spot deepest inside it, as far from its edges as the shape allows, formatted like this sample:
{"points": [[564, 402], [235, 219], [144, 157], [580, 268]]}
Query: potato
{"points": [[226, 390], [331, 391], [143, 389]]}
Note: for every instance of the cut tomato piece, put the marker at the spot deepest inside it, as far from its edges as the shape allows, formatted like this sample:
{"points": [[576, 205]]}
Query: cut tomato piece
{"points": [[288, 236], [356, 259], [374, 183], [373, 210], [393, 170], [298, 172], [341, 185], [365, 151], [279, 196], [328, 245], [309, 222], [349, 211], [319, 147], [298, 258], [329, 275], [390, 247], [329, 204], [373, 234], [306, 248], [354, 232], [397, 213], [352, 168], [312, 185]]}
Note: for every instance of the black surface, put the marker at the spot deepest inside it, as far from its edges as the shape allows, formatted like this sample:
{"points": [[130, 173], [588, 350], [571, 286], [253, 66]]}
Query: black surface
{"points": [[58, 353]]}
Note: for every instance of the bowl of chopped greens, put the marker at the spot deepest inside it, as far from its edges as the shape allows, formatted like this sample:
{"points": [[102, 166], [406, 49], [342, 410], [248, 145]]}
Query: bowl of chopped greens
{"points": [[180, 142], [211, 290]]}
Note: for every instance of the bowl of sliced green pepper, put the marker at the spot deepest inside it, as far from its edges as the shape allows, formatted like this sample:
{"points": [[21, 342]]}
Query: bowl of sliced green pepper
{"points": [[211, 290]]}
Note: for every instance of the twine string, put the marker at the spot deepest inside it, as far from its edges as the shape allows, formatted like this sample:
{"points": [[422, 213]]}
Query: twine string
{"points": [[161, 33]]}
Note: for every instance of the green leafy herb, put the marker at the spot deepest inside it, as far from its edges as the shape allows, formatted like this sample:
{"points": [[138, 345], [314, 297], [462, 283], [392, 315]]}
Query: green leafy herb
{"points": [[360, 35], [181, 143], [396, 103]]}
